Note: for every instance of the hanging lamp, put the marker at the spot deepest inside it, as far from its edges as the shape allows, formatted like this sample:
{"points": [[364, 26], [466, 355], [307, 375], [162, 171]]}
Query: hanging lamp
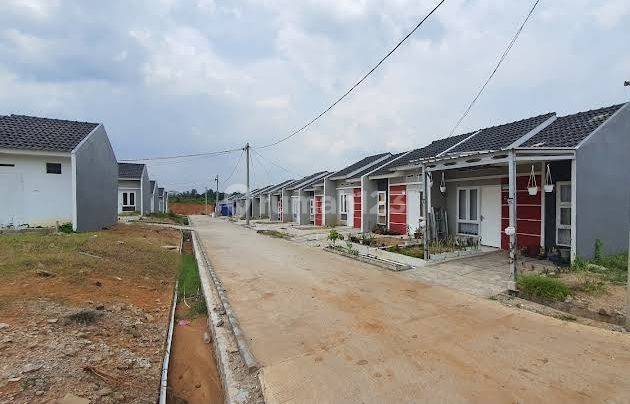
{"points": [[532, 187], [548, 182], [443, 184]]}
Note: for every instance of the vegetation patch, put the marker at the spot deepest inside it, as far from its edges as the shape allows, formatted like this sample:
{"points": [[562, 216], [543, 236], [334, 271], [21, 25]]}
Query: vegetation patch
{"points": [[275, 234], [543, 287], [189, 285], [169, 218]]}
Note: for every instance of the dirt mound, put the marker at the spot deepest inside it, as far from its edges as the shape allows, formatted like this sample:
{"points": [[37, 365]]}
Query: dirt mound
{"points": [[190, 208]]}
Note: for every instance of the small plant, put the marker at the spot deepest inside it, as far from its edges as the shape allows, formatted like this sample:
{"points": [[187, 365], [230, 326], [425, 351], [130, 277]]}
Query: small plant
{"points": [[542, 287], [66, 228], [599, 251], [351, 249], [334, 235], [367, 239]]}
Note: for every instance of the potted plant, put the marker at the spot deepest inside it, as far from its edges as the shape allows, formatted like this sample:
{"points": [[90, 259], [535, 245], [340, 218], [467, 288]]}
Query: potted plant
{"points": [[443, 184], [532, 187], [548, 183]]}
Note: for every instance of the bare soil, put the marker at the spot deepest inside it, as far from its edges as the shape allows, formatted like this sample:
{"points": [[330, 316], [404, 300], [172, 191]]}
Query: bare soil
{"points": [[190, 208], [85, 314], [193, 375]]}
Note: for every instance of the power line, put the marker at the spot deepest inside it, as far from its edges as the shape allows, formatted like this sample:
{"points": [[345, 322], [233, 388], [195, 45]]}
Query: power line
{"points": [[206, 154], [501, 59], [274, 163], [235, 167], [365, 76]]}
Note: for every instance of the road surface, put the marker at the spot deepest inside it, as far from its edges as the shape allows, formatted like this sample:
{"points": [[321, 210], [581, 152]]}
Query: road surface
{"points": [[329, 329]]}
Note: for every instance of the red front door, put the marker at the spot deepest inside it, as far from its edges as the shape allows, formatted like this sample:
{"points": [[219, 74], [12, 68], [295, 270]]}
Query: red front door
{"points": [[357, 207], [528, 215], [318, 211], [398, 209]]}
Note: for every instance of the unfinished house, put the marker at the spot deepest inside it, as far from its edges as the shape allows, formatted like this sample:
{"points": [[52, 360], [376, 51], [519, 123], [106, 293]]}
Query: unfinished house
{"points": [[542, 185], [342, 192], [274, 200], [261, 199]]}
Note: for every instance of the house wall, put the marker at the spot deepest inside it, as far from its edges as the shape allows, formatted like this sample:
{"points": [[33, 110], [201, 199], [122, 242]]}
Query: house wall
{"points": [[263, 205], [30, 196], [287, 214], [369, 200], [330, 203], [146, 193], [304, 216], [255, 208], [603, 187], [348, 190], [155, 203], [560, 171], [96, 183], [273, 207], [127, 186]]}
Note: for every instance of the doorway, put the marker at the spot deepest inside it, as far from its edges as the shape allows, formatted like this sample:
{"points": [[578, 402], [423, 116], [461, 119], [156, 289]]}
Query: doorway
{"points": [[490, 230]]}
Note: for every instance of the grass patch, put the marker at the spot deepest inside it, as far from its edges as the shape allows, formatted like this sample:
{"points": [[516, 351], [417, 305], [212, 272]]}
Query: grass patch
{"points": [[169, 217], [611, 268], [190, 287], [542, 287], [415, 251], [134, 213], [275, 234]]}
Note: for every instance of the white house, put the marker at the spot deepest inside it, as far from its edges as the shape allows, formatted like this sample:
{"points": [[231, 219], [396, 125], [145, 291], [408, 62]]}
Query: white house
{"points": [[134, 188], [55, 171]]}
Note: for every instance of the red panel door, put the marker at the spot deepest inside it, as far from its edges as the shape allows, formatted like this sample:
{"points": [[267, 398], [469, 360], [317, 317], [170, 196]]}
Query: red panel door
{"points": [[357, 207], [318, 211], [398, 209], [528, 215]]}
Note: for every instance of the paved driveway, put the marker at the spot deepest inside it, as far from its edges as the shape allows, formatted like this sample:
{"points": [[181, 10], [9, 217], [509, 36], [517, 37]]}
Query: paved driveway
{"points": [[329, 329]]}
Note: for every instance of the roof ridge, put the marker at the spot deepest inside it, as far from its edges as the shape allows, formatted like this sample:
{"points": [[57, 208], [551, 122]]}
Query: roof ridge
{"points": [[50, 119]]}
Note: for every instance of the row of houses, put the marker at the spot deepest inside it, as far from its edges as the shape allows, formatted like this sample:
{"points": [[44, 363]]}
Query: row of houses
{"points": [[542, 183], [55, 171]]}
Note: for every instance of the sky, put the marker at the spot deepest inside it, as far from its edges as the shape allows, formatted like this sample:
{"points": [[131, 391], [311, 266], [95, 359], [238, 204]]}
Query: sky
{"points": [[175, 77]]}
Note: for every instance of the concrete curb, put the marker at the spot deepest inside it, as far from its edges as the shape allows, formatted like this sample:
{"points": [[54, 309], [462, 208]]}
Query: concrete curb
{"points": [[389, 265], [238, 375]]}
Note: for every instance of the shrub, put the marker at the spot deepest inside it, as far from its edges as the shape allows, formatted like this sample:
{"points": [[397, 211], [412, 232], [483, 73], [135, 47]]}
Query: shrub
{"points": [[334, 235], [542, 287], [66, 228], [598, 253]]}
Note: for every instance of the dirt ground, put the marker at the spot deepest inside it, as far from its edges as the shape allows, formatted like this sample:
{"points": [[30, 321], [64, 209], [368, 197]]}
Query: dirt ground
{"points": [[190, 208], [328, 329], [193, 376], [85, 314]]}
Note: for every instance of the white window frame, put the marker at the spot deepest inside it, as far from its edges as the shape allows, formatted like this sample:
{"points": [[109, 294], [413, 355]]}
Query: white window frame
{"points": [[381, 218], [467, 219], [128, 205], [343, 203], [311, 207], [559, 205]]}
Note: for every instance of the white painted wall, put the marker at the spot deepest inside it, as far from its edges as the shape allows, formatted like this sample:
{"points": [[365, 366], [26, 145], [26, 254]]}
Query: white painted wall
{"points": [[35, 198], [128, 186]]}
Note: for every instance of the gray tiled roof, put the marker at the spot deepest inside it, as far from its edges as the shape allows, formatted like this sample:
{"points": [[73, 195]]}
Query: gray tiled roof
{"points": [[316, 180], [276, 187], [570, 130], [301, 183], [361, 163], [500, 136], [152, 185], [374, 167], [130, 170], [32, 133], [433, 149]]}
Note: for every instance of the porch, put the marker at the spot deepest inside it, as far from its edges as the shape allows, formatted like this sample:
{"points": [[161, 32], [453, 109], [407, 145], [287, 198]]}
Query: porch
{"points": [[520, 201]]}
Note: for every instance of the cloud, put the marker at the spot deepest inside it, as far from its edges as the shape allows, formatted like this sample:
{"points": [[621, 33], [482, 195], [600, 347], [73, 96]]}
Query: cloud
{"points": [[170, 77]]}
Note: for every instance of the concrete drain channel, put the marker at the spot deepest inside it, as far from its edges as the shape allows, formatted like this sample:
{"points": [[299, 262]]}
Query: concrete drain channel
{"points": [[229, 366]]}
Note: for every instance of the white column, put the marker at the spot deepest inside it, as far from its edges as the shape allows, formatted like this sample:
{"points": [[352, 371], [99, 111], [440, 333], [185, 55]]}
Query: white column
{"points": [[512, 206], [425, 212], [573, 210], [542, 203]]}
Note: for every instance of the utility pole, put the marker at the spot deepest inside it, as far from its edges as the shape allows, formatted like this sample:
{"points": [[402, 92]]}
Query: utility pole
{"points": [[216, 196], [247, 201], [206, 205]]}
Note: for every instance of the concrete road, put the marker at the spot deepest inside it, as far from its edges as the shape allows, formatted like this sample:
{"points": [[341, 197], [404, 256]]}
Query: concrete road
{"points": [[329, 329]]}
